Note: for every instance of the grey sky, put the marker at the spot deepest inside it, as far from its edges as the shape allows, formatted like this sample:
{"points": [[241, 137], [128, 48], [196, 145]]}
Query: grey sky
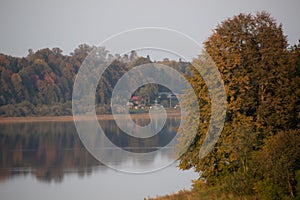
{"points": [[66, 24]]}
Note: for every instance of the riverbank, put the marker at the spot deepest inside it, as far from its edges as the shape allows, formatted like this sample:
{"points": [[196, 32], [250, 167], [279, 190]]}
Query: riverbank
{"points": [[203, 193], [174, 113]]}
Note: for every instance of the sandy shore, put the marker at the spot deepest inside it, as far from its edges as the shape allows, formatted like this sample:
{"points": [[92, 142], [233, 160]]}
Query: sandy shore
{"points": [[70, 118]]}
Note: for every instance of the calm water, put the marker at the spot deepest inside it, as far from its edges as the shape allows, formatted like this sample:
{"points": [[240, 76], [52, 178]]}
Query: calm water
{"points": [[46, 160]]}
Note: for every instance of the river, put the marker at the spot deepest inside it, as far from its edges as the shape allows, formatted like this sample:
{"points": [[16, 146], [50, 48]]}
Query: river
{"points": [[47, 160]]}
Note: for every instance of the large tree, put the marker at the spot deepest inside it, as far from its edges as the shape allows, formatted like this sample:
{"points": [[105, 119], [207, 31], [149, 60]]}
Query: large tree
{"points": [[252, 56]]}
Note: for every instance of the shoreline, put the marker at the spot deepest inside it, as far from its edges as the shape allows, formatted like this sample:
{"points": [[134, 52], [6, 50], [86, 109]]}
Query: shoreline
{"points": [[70, 118]]}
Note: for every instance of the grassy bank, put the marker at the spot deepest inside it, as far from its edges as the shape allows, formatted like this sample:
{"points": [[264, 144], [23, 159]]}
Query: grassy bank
{"points": [[201, 194]]}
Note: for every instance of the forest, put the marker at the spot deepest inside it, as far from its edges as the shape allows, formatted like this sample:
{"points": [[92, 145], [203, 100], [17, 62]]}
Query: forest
{"points": [[41, 83]]}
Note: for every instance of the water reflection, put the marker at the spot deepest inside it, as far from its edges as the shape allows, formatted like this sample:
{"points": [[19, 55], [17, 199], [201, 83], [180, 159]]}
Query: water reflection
{"points": [[136, 144], [47, 150], [50, 150]]}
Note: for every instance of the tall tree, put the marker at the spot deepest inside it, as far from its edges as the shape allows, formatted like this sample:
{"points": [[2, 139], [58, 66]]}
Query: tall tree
{"points": [[251, 54]]}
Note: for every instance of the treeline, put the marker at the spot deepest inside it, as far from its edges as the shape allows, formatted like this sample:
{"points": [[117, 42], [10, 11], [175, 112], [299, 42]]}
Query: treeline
{"points": [[42, 82], [258, 153]]}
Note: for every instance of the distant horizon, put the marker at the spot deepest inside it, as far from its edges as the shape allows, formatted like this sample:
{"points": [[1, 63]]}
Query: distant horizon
{"points": [[153, 57]]}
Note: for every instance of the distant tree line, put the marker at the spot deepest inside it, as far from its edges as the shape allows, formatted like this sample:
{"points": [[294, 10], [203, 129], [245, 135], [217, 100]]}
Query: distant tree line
{"points": [[42, 82]]}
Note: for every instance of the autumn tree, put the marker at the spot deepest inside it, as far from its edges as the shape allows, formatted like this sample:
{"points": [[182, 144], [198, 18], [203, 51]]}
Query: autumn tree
{"points": [[251, 54], [277, 164]]}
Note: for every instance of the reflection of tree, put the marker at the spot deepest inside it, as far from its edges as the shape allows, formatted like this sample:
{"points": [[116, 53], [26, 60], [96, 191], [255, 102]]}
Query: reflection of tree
{"points": [[136, 144], [46, 150]]}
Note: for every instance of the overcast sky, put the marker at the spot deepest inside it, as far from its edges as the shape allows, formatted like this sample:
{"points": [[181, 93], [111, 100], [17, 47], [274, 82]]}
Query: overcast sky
{"points": [[66, 24]]}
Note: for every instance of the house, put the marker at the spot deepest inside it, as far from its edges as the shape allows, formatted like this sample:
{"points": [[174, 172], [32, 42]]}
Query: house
{"points": [[137, 101]]}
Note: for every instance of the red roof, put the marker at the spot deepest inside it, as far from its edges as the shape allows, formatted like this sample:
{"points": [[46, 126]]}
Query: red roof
{"points": [[135, 98]]}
